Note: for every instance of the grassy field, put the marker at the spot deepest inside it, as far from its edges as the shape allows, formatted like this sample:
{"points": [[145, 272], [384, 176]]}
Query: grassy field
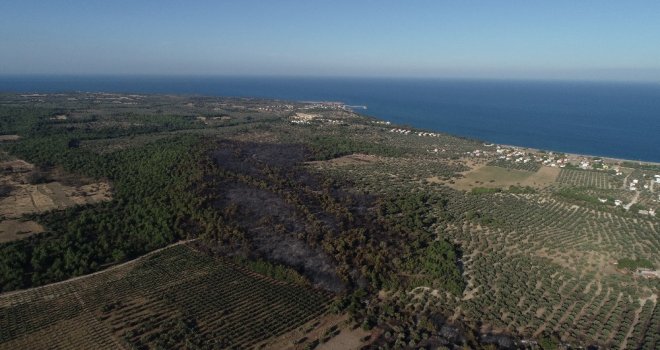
{"points": [[499, 177], [171, 298]]}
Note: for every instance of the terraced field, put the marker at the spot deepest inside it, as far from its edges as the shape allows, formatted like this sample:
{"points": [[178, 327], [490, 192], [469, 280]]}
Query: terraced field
{"points": [[169, 299]]}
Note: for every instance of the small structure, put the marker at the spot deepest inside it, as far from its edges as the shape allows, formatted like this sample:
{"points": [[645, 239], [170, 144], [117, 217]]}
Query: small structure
{"points": [[648, 273]]}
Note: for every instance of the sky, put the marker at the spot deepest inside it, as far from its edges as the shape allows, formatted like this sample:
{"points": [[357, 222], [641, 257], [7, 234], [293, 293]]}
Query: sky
{"points": [[586, 39]]}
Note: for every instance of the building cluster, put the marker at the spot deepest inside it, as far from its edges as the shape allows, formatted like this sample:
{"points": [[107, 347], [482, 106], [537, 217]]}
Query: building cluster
{"points": [[418, 133], [478, 153], [306, 118], [275, 108], [633, 185], [648, 273], [325, 106], [303, 118], [650, 212], [513, 154]]}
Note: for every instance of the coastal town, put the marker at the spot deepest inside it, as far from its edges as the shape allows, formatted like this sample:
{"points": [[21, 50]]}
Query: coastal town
{"points": [[623, 184]]}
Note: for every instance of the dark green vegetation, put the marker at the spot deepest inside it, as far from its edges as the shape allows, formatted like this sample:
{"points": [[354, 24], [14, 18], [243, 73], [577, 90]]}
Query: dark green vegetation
{"points": [[642, 166], [153, 206], [634, 264], [337, 214]]}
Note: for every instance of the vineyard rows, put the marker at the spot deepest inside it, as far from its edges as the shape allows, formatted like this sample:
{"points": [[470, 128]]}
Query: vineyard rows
{"points": [[174, 297]]}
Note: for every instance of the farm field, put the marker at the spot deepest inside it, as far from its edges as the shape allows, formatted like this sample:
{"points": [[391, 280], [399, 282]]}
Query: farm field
{"points": [[498, 177], [11, 230], [549, 266], [586, 178], [28, 190], [530, 166], [169, 298], [26, 199], [536, 264]]}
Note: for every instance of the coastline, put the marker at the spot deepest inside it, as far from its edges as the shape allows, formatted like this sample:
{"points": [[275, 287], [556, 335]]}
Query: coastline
{"points": [[571, 155], [611, 120]]}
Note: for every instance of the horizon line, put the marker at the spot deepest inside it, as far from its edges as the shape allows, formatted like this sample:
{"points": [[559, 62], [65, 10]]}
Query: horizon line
{"points": [[319, 76]]}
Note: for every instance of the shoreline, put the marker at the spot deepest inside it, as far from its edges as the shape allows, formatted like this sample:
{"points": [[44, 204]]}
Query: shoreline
{"points": [[568, 154], [534, 149], [580, 155]]}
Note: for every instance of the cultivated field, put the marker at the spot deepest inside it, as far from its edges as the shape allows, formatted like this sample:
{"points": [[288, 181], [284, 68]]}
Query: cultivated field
{"points": [[500, 177], [28, 190], [586, 178], [534, 263], [169, 299]]}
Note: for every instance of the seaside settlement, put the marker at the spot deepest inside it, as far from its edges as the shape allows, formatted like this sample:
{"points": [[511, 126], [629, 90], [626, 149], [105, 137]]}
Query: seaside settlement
{"points": [[643, 186]]}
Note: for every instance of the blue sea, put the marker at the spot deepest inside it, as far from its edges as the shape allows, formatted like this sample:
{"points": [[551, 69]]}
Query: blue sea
{"points": [[619, 120]]}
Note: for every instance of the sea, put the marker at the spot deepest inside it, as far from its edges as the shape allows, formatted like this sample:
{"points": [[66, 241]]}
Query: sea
{"points": [[611, 119]]}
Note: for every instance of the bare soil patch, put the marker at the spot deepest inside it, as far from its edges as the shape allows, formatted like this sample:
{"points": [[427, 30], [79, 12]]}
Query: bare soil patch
{"points": [[348, 339], [27, 190], [351, 159], [27, 199], [11, 230], [315, 330], [9, 138]]}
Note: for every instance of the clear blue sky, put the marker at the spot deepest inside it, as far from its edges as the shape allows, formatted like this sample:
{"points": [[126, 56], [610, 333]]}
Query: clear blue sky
{"points": [[584, 39]]}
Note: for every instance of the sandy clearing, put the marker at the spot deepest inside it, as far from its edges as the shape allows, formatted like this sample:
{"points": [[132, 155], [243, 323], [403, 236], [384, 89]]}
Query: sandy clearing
{"points": [[350, 159], [9, 138], [26, 199], [16, 166], [21, 198], [315, 330], [11, 230], [348, 339]]}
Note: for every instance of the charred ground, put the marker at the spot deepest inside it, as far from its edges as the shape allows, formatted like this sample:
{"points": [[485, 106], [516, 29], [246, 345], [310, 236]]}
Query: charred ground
{"points": [[272, 206]]}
